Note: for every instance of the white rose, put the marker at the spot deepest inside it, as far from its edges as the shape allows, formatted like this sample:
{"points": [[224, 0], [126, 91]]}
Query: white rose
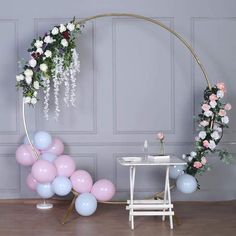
{"points": [[43, 67], [32, 62], [39, 50], [62, 28], [48, 53], [48, 39], [70, 26], [19, 77], [202, 134], [38, 44], [35, 93], [78, 26], [27, 99], [220, 94], [28, 73], [193, 154], [28, 80], [33, 101], [225, 119], [203, 160], [213, 104], [64, 43], [190, 158], [204, 123], [212, 145], [55, 31], [208, 113], [215, 135], [36, 84]]}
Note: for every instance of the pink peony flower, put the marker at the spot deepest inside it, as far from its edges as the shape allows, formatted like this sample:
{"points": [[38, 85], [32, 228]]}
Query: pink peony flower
{"points": [[197, 164], [160, 136], [205, 107], [221, 86], [213, 97], [228, 107], [205, 144], [222, 112]]}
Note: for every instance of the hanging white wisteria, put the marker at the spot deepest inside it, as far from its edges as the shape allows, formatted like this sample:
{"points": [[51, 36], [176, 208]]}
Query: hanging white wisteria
{"points": [[54, 61]]}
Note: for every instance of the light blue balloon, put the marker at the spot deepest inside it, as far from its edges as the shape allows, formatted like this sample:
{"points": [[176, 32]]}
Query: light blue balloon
{"points": [[31, 137], [61, 185], [45, 190], [86, 204], [175, 171], [186, 183], [48, 156], [42, 140]]}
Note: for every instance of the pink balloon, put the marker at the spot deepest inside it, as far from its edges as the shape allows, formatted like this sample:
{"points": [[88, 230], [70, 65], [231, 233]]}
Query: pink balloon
{"points": [[103, 190], [31, 182], [43, 171], [57, 147], [81, 181], [25, 155], [65, 165]]}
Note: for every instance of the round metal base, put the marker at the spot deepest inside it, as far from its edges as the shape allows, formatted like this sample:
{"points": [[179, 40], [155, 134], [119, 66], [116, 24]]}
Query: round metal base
{"points": [[44, 206]]}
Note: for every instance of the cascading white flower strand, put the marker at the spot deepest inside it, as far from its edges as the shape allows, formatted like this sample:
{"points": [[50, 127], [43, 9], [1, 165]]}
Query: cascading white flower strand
{"points": [[46, 83], [67, 87], [74, 70], [57, 80]]}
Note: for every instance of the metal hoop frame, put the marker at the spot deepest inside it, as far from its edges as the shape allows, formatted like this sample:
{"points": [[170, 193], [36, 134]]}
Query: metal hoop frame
{"points": [[148, 19]]}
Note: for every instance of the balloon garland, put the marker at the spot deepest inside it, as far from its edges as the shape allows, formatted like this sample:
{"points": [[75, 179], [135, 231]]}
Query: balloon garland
{"points": [[54, 59], [55, 173]]}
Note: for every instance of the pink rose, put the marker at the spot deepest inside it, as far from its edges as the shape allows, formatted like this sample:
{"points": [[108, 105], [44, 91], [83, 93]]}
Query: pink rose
{"points": [[221, 86], [205, 143], [161, 136], [228, 107], [213, 97], [222, 112], [197, 164], [205, 107]]}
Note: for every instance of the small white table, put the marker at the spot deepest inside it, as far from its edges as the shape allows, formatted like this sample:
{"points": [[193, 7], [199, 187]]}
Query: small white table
{"points": [[150, 207]]}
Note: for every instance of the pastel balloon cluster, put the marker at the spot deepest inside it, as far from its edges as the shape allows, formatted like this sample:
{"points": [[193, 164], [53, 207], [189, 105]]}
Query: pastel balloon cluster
{"points": [[86, 202], [55, 173], [185, 183]]}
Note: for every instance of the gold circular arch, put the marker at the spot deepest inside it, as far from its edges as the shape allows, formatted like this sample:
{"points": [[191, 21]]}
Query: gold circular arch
{"points": [[148, 19]]}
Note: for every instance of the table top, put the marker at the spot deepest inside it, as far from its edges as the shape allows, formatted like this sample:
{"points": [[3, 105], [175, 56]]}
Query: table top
{"points": [[172, 161]]}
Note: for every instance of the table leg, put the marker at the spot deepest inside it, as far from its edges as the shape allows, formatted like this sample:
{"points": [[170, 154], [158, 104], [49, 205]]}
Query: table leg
{"points": [[169, 197], [165, 193], [132, 180]]}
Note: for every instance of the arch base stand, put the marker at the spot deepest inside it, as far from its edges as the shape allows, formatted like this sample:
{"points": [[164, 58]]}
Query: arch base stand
{"points": [[44, 206]]}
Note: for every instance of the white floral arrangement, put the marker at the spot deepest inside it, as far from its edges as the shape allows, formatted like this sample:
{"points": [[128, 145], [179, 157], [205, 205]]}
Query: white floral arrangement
{"points": [[53, 59], [212, 121]]}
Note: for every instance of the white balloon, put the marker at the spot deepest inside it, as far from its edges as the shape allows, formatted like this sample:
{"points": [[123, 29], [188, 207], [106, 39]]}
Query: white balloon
{"points": [[48, 156], [186, 183], [42, 140], [45, 190], [61, 185], [175, 171]]}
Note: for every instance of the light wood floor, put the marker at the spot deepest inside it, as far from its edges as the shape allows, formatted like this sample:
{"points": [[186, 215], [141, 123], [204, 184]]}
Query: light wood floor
{"points": [[195, 218]]}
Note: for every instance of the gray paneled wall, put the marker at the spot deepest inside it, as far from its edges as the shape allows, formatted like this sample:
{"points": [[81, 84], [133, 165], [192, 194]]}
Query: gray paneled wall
{"points": [[136, 79]]}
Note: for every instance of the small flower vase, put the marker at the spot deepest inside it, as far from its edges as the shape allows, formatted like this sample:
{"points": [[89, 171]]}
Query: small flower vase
{"points": [[162, 148]]}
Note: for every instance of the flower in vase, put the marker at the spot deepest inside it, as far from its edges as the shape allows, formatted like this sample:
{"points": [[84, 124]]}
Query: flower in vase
{"points": [[160, 136]]}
